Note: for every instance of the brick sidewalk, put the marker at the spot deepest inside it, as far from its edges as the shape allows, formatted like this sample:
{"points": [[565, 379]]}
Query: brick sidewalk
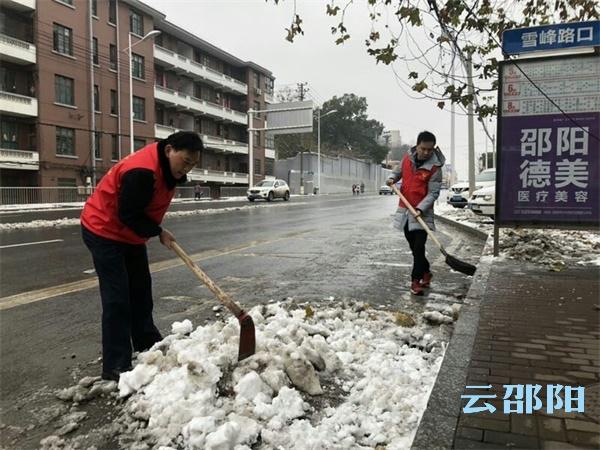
{"points": [[535, 327]]}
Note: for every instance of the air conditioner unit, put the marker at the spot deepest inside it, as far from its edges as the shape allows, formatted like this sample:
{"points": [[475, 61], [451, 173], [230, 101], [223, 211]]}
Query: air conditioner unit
{"points": [[258, 91]]}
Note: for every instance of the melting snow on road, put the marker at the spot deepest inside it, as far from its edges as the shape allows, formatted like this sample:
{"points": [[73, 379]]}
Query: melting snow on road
{"points": [[347, 377]]}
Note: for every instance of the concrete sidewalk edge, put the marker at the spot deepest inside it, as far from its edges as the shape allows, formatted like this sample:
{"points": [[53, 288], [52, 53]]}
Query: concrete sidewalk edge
{"points": [[437, 427]]}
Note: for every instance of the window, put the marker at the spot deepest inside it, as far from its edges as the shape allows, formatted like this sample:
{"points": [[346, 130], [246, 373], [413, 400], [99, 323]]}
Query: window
{"points": [[256, 80], [95, 8], [112, 11], [64, 91], [112, 55], [269, 164], [63, 40], [269, 140], [68, 2], [256, 137], [257, 170], [98, 145], [95, 50], [114, 102], [96, 98], [114, 147], [257, 108], [8, 134], [137, 66], [269, 85], [139, 108], [136, 23], [65, 141], [138, 143]]}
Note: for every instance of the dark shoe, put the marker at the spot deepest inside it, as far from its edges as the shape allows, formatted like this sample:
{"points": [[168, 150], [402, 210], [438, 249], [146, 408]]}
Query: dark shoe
{"points": [[113, 375], [415, 288], [426, 281]]}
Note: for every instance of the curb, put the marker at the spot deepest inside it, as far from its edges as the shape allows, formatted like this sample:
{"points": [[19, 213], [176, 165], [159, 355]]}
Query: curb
{"points": [[463, 227], [437, 427]]}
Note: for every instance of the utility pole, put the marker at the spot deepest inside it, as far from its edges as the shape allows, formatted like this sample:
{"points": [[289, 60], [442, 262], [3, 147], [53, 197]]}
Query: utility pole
{"points": [[302, 90], [452, 135], [92, 98], [471, 128]]}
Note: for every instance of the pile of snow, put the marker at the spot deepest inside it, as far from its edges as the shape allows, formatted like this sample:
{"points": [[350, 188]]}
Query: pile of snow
{"points": [[554, 249], [346, 377]]}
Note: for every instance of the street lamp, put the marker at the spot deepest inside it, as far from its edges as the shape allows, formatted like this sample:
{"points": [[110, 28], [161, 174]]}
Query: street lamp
{"points": [[319, 145], [150, 35]]}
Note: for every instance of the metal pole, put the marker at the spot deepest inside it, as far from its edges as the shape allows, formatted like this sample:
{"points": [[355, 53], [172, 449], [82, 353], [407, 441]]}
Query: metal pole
{"points": [[130, 97], [452, 135], [471, 127], [250, 149], [494, 151], [93, 108], [119, 101], [318, 151]]}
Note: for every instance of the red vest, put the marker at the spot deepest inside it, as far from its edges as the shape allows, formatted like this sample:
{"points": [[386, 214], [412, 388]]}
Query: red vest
{"points": [[100, 213], [414, 182]]}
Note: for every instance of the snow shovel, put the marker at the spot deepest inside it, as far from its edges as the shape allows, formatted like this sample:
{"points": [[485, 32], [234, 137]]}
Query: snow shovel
{"points": [[247, 334], [455, 263]]}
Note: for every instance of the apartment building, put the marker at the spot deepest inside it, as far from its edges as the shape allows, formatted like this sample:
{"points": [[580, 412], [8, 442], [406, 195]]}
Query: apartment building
{"points": [[71, 86]]}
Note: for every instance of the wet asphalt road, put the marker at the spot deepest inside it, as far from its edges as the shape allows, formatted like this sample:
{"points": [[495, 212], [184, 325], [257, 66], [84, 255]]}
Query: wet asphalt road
{"points": [[316, 250]]}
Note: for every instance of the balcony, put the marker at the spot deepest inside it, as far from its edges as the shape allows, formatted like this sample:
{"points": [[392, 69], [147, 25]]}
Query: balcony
{"points": [[206, 175], [18, 105], [188, 102], [16, 50], [269, 98], [180, 63], [212, 142], [20, 5], [19, 159]]}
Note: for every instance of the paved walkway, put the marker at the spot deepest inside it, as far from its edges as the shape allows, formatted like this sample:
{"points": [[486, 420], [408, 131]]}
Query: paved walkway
{"points": [[521, 325]]}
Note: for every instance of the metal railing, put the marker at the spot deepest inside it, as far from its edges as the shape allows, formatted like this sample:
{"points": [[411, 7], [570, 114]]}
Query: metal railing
{"points": [[190, 192], [33, 195]]}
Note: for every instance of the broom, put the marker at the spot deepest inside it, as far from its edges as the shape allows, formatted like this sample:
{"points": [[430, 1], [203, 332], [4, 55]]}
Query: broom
{"points": [[453, 262]]}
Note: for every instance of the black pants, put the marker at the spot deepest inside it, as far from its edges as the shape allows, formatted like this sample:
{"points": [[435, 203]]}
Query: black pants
{"points": [[416, 240], [126, 292]]}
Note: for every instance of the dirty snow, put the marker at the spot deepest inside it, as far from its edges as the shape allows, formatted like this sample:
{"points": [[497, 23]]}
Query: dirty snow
{"points": [[189, 391], [554, 249]]}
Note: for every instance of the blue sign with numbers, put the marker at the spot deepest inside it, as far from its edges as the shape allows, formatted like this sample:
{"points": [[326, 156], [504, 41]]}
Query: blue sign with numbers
{"points": [[551, 37]]}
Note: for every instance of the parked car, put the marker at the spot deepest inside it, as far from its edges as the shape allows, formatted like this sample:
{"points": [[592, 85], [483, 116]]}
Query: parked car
{"points": [[459, 192], [385, 190], [483, 201], [269, 190]]}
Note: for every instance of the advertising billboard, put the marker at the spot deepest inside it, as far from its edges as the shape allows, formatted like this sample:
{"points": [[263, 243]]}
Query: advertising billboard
{"points": [[548, 158]]}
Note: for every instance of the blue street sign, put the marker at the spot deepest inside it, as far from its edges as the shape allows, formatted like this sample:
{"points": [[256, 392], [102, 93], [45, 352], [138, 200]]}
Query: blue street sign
{"points": [[551, 37]]}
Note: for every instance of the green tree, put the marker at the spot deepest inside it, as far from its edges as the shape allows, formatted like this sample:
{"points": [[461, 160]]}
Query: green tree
{"points": [[435, 39]]}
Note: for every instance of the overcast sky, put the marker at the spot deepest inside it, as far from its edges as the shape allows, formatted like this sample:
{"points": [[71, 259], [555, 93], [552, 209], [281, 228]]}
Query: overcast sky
{"points": [[255, 30]]}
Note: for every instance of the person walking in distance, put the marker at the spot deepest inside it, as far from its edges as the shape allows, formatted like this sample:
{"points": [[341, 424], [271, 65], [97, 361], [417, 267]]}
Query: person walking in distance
{"points": [[421, 174], [125, 211]]}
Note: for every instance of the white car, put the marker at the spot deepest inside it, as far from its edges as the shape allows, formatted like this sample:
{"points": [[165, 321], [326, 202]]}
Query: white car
{"points": [[457, 196], [483, 201], [269, 190]]}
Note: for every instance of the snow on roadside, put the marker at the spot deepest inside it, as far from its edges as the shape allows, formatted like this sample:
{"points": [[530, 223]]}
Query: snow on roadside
{"points": [[65, 222], [554, 249], [369, 376]]}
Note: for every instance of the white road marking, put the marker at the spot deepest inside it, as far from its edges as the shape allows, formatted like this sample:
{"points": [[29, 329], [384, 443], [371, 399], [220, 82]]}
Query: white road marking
{"points": [[31, 243], [89, 271]]}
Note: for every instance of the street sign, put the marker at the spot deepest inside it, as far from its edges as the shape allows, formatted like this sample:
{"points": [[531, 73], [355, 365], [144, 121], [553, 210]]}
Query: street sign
{"points": [[548, 159], [551, 37]]}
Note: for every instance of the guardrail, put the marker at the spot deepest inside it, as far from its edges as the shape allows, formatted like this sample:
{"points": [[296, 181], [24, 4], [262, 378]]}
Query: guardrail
{"points": [[233, 191]]}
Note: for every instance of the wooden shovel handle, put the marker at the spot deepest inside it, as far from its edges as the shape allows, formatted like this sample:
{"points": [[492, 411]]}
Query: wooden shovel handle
{"points": [[413, 211], [222, 296]]}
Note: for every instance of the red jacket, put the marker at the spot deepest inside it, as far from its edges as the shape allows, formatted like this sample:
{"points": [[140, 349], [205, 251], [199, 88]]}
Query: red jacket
{"points": [[415, 182], [100, 213]]}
